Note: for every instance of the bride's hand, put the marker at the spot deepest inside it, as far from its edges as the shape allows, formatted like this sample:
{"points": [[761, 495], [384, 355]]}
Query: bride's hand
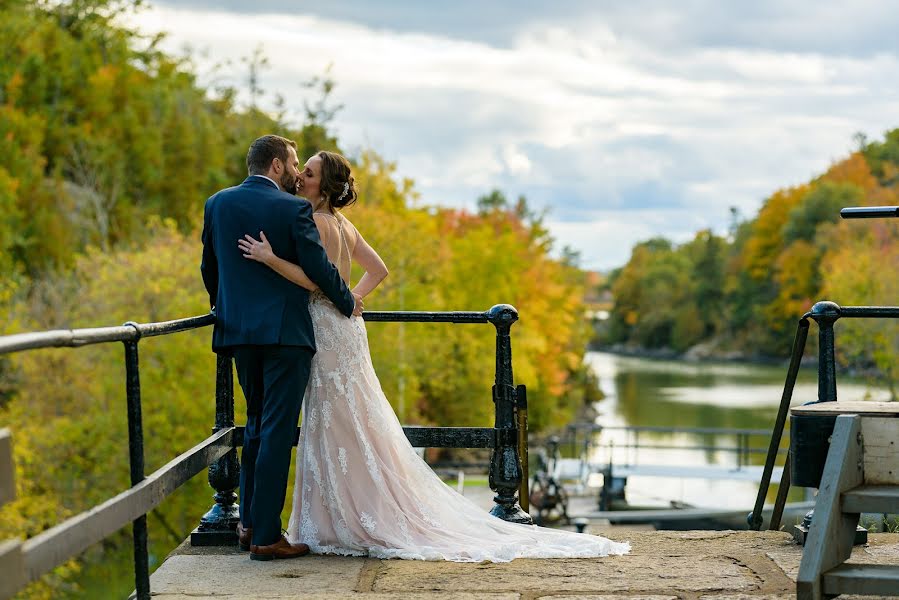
{"points": [[256, 250]]}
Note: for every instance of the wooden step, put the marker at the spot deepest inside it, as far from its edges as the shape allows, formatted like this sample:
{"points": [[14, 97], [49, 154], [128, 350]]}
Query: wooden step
{"points": [[872, 499], [853, 578]]}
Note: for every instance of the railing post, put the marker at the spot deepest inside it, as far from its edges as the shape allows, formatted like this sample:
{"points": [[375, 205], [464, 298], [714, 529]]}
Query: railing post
{"points": [[136, 455], [505, 463], [755, 517], [12, 563], [521, 401], [218, 526], [825, 315], [7, 468], [808, 447]]}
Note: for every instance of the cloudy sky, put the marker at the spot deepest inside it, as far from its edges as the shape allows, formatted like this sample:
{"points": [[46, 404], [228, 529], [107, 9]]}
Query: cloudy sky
{"points": [[625, 119]]}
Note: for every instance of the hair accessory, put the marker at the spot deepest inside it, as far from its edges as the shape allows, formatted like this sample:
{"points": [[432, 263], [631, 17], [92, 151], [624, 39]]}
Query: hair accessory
{"points": [[346, 188]]}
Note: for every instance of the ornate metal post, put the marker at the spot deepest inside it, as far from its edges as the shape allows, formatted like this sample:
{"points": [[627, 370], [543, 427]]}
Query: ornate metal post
{"points": [[521, 398], [810, 436], [505, 463], [218, 526], [825, 315], [136, 459]]}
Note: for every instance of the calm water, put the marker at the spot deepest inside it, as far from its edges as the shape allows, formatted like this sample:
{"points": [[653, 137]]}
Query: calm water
{"points": [[679, 394]]}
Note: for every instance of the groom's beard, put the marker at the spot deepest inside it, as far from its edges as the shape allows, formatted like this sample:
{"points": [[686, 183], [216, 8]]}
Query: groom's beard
{"points": [[289, 183]]}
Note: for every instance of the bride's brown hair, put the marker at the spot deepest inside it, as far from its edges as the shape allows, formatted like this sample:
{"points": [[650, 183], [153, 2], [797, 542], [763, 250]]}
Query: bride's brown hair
{"points": [[337, 187]]}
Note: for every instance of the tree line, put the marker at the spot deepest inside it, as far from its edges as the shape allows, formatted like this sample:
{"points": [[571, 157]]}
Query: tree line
{"points": [[743, 293], [108, 149]]}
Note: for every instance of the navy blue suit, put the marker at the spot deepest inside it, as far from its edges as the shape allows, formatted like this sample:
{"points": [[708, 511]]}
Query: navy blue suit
{"points": [[264, 320]]}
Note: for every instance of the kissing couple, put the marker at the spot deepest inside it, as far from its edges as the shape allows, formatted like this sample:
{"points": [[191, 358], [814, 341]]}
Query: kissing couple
{"points": [[286, 312]]}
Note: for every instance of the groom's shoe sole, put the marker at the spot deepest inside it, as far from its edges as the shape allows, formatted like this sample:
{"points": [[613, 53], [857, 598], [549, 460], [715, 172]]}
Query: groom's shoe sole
{"points": [[281, 549], [261, 556], [244, 536]]}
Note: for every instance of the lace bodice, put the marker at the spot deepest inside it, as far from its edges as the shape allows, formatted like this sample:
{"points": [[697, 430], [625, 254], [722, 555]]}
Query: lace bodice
{"points": [[362, 490]]}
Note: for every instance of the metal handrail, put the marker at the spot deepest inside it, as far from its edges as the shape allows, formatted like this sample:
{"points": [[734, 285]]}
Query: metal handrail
{"points": [[700, 448], [40, 554], [667, 429], [73, 338], [396, 316], [869, 212], [825, 314]]}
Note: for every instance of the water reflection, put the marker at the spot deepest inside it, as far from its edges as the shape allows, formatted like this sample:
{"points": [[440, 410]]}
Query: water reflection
{"points": [[641, 392]]}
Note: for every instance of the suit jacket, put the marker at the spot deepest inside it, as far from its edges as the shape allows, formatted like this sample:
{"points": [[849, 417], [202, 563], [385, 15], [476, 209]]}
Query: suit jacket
{"points": [[253, 304]]}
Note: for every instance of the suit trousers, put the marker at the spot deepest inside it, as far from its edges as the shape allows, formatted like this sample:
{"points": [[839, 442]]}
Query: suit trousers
{"points": [[273, 379]]}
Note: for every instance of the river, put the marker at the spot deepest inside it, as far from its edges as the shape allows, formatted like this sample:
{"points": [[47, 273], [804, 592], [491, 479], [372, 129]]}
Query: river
{"points": [[644, 392]]}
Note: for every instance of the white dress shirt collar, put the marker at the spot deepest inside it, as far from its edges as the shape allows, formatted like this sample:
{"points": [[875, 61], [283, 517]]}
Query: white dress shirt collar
{"points": [[270, 179]]}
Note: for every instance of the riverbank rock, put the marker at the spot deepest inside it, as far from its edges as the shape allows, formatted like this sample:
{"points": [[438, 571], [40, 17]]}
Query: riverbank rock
{"points": [[712, 350]]}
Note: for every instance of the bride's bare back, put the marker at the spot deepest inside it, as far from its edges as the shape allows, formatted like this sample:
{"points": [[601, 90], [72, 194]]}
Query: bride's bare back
{"points": [[343, 243], [339, 238]]}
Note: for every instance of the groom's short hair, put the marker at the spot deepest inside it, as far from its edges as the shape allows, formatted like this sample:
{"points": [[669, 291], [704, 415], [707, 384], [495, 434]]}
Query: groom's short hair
{"points": [[265, 149]]}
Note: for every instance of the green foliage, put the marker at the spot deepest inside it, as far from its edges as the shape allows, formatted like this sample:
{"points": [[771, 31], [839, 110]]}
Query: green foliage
{"points": [[451, 260], [859, 272], [666, 296], [745, 293], [883, 157], [104, 130], [821, 205], [108, 148], [68, 412]]}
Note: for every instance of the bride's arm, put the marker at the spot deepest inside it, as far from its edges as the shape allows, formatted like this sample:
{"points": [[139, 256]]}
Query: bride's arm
{"points": [[261, 251], [375, 269]]}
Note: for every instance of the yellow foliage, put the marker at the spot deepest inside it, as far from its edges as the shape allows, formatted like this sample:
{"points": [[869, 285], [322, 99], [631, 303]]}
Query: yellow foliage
{"points": [[69, 403], [766, 242], [106, 155]]}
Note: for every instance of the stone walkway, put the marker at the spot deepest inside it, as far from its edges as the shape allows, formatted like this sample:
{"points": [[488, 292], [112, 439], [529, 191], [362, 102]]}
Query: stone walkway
{"points": [[662, 565]]}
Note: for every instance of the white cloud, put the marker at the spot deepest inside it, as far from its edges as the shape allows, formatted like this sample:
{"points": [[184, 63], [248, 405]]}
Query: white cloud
{"points": [[605, 239], [516, 161], [607, 117]]}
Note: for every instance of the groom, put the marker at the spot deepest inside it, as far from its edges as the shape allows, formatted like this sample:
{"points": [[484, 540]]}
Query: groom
{"points": [[264, 320]]}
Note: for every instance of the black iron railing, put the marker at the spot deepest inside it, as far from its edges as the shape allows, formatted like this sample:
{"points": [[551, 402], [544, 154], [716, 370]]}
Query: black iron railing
{"points": [[825, 314], [11, 550], [580, 438], [218, 452]]}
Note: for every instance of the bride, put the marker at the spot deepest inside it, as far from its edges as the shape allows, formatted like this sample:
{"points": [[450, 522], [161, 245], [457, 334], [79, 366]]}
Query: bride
{"points": [[361, 489]]}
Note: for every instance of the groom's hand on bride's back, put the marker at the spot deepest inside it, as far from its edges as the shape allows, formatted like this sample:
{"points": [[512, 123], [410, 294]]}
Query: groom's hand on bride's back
{"points": [[357, 309]]}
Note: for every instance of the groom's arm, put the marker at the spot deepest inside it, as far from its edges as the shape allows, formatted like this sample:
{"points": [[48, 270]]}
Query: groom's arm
{"points": [[314, 261], [209, 267]]}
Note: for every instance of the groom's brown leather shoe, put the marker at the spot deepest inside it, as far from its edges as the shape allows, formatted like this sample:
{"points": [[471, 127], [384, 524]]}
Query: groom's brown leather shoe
{"points": [[280, 549], [244, 536]]}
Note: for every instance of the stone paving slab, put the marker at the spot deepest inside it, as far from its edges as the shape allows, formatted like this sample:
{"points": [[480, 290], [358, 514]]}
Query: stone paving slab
{"points": [[236, 574], [606, 597], [301, 595], [613, 574], [662, 565], [881, 548], [790, 596]]}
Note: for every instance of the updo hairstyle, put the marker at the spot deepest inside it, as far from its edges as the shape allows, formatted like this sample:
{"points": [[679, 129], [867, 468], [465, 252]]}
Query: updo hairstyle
{"points": [[337, 187]]}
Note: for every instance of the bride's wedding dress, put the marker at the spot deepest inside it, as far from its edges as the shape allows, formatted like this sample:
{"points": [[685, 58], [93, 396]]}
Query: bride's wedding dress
{"points": [[362, 490]]}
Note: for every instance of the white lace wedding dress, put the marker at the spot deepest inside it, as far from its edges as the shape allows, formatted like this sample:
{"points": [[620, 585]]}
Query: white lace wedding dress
{"points": [[362, 490]]}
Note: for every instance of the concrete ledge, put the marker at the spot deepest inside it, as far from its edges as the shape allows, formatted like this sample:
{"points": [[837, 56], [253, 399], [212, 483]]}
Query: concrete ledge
{"points": [[662, 565]]}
